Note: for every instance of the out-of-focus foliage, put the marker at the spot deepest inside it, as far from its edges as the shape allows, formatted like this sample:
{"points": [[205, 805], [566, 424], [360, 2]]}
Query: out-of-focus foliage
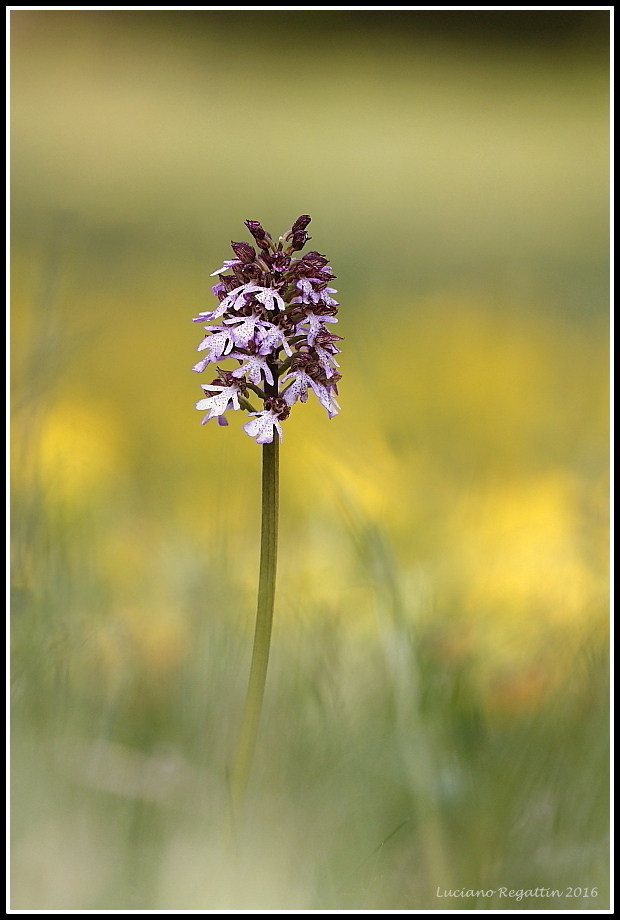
{"points": [[436, 714]]}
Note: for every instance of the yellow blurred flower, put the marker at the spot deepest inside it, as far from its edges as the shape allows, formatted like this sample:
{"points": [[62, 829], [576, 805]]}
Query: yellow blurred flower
{"points": [[78, 451]]}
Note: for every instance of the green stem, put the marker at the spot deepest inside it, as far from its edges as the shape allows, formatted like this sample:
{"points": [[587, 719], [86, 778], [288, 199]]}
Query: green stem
{"points": [[264, 616]]}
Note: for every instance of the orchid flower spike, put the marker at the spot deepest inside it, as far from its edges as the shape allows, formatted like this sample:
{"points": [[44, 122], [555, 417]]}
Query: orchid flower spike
{"points": [[273, 313]]}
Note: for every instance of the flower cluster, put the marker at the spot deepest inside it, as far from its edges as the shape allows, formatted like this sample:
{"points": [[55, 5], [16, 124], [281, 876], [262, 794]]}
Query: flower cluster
{"points": [[273, 316]]}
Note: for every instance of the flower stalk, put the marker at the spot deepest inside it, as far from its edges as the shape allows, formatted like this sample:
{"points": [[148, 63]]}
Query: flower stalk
{"points": [[264, 618]]}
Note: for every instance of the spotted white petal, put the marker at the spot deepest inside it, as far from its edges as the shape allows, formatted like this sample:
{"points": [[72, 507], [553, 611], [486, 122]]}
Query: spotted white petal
{"points": [[219, 343], [326, 360], [270, 299], [326, 299], [315, 324], [228, 263], [236, 298], [243, 328], [218, 403], [270, 338], [261, 427], [325, 398], [298, 389], [199, 368], [253, 366]]}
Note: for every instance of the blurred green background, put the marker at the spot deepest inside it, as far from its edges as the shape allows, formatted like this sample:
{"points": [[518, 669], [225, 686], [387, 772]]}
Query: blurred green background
{"points": [[436, 709]]}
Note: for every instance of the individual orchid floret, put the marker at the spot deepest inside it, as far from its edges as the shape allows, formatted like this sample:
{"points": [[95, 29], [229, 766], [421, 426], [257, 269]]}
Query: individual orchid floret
{"points": [[242, 329], [274, 308], [325, 349], [254, 367], [306, 372], [308, 293], [314, 321], [298, 390], [225, 396], [219, 343], [262, 425], [326, 361]]}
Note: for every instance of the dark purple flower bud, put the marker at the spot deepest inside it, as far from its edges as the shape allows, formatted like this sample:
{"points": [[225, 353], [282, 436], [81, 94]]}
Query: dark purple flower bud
{"points": [[229, 283], [325, 338], [261, 236], [280, 261], [323, 275], [315, 259], [243, 251], [301, 361], [323, 309], [278, 406], [297, 269], [300, 238], [301, 223], [255, 229], [251, 272]]}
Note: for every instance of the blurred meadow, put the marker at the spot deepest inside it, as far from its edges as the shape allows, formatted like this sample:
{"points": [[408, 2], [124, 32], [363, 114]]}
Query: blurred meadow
{"points": [[436, 715]]}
